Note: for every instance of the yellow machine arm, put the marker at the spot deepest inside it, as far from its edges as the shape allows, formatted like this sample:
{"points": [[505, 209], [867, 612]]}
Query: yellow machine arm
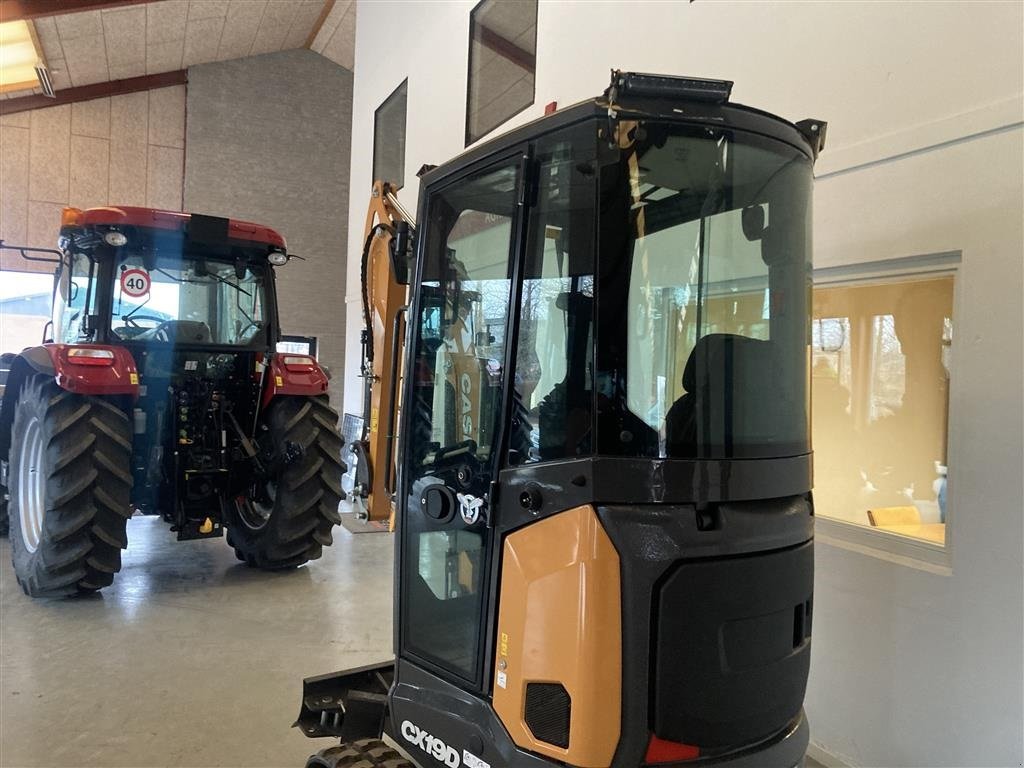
{"points": [[384, 295]]}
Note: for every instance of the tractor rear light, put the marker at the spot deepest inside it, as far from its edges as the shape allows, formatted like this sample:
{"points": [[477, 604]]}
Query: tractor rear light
{"points": [[88, 356], [115, 239], [299, 363], [664, 751], [277, 258]]}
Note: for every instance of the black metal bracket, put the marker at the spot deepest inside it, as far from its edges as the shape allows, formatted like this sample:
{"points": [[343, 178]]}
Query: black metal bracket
{"points": [[814, 132], [350, 705]]}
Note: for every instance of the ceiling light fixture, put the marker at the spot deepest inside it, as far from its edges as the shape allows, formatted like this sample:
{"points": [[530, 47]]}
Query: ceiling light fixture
{"points": [[21, 58]]}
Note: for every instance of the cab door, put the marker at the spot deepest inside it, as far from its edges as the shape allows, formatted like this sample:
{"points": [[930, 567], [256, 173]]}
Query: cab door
{"points": [[452, 414]]}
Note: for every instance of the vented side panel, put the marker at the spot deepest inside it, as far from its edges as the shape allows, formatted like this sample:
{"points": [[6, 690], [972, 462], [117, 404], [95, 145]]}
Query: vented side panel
{"points": [[548, 712]]}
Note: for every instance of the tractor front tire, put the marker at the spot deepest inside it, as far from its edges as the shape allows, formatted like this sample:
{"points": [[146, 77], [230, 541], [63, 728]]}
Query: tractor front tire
{"points": [[288, 521], [365, 753], [70, 490]]}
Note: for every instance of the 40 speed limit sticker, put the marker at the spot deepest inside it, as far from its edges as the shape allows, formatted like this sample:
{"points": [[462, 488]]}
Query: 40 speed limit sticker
{"points": [[135, 282]]}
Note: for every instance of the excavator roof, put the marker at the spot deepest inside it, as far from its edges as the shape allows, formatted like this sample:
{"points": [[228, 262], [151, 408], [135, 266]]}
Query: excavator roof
{"points": [[656, 97]]}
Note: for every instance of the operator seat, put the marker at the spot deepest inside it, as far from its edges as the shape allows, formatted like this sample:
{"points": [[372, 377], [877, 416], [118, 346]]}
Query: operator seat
{"points": [[728, 381], [183, 332]]}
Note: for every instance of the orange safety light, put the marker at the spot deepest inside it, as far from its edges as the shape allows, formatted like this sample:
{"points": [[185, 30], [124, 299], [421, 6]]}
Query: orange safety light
{"points": [[71, 217]]}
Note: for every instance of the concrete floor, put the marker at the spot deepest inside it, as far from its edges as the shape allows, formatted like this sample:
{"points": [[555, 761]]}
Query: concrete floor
{"points": [[190, 658]]}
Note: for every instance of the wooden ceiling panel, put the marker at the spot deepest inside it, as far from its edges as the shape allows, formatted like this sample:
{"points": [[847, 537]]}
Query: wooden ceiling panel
{"points": [[85, 42]]}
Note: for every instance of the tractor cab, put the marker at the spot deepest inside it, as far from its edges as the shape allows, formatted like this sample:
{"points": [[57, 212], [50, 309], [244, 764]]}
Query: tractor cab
{"points": [[133, 274]]}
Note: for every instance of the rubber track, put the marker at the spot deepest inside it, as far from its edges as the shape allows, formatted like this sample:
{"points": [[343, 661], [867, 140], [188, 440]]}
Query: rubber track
{"points": [[365, 753], [88, 492], [309, 490]]}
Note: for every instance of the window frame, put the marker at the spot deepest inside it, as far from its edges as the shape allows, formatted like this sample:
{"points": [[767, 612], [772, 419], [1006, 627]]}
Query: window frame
{"points": [[470, 139], [876, 542], [400, 183]]}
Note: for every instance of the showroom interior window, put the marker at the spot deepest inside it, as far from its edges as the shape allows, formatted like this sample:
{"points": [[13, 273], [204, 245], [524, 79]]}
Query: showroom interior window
{"points": [[502, 63], [880, 398], [389, 138]]}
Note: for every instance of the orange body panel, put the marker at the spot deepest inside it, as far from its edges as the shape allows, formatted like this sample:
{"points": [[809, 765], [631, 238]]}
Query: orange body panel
{"points": [[560, 620]]}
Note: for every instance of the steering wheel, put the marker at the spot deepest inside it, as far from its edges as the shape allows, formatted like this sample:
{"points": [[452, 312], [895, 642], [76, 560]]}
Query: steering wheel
{"points": [[257, 325], [132, 318]]}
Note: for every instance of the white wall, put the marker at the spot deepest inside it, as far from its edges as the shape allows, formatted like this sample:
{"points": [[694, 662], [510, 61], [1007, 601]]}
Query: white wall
{"points": [[924, 104]]}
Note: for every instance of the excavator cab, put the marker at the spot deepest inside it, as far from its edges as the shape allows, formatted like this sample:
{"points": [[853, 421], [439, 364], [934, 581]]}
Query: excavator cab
{"points": [[604, 546]]}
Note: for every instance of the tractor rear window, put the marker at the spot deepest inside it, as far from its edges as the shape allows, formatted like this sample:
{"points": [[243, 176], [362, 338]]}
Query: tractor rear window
{"points": [[188, 300]]}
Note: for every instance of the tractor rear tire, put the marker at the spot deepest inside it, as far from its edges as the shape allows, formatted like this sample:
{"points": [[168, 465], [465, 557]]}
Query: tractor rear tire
{"points": [[290, 525], [365, 753], [70, 490]]}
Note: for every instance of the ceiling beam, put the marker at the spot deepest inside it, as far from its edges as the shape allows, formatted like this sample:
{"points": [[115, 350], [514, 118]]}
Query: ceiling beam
{"points": [[502, 46], [324, 13], [13, 10], [94, 91]]}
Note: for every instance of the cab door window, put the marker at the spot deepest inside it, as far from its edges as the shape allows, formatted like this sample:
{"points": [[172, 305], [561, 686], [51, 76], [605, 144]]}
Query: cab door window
{"points": [[76, 300], [457, 373]]}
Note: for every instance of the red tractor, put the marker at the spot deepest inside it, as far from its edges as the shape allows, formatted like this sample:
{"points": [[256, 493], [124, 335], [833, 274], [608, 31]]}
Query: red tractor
{"points": [[157, 389]]}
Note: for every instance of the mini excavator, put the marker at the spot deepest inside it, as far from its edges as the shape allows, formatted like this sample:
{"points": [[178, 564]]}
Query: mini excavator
{"points": [[602, 483]]}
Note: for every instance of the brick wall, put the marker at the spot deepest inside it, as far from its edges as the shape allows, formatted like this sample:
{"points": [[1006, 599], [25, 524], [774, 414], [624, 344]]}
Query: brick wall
{"points": [[118, 150], [268, 140]]}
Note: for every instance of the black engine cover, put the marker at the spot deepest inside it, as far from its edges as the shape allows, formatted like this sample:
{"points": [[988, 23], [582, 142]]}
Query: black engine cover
{"points": [[753, 615]]}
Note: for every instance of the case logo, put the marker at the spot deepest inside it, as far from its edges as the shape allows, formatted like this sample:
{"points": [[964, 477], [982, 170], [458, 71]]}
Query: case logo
{"points": [[470, 507], [466, 385]]}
